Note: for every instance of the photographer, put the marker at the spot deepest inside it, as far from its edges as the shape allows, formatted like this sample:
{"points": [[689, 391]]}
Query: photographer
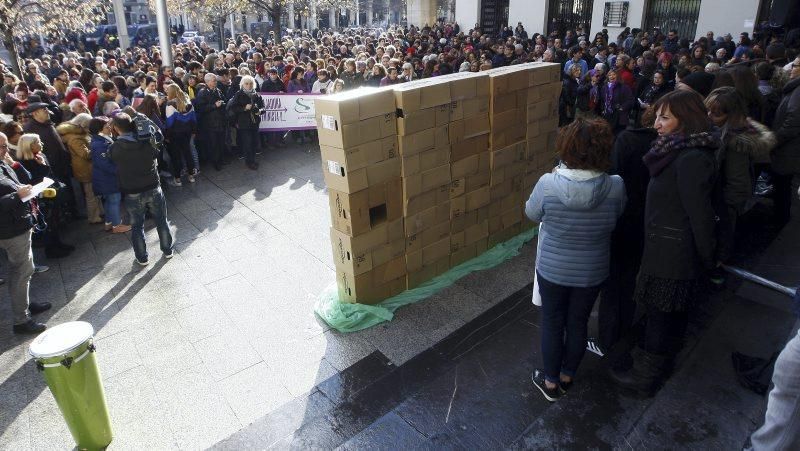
{"points": [[247, 105]]}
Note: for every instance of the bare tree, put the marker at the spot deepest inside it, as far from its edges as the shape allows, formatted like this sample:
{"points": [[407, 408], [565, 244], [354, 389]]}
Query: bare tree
{"points": [[19, 18]]}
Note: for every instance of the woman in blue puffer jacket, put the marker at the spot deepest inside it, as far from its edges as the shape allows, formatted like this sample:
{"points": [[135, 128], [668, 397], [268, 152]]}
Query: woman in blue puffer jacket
{"points": [[578, 205], [104, 174]]}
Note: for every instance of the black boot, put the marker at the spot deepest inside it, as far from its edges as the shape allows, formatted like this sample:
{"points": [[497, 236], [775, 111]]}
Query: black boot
{"points": [[646, 375]]}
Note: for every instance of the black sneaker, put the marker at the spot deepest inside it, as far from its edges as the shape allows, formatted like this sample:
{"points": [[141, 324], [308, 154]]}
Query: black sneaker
{"points": [[550, 394], [564, 387], [717, 276], [39, 307], [593, 346], [29, 327]]}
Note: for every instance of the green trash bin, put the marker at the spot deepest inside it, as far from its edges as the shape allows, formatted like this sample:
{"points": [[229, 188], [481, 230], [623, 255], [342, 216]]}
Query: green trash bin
{"points": [[65, 356]]}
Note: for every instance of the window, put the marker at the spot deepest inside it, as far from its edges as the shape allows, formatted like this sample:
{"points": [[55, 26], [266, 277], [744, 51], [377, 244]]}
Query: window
{"points": [[615, 14]]}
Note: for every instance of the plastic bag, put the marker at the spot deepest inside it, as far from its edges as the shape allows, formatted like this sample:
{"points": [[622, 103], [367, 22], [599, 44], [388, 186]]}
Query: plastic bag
{"points": [[348, 317]]}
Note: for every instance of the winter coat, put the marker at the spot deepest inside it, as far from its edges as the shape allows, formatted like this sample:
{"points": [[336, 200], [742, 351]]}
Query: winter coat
{"points": [[786, 157], [53, 147], [351, 80], [104, 171], [180, 124], [209, 115], [679, 217], [246, 119], [735, 160], [621, 103], [137, 170], [272, 86], [297, 86], [578, 211], [15, 215], [77, 141]]}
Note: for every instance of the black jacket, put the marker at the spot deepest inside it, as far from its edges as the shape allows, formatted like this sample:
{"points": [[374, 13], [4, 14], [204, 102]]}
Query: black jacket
{"points": [[137, 170], [209, 115], [247, 119], [15, 215], [53, 147], [786, 157], [679, 217], [626, 161], [272, 86]]}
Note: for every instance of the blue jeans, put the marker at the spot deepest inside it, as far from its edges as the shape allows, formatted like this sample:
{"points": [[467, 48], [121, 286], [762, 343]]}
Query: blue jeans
{"points": [[137, 205], [111, 204], [565, 314]]}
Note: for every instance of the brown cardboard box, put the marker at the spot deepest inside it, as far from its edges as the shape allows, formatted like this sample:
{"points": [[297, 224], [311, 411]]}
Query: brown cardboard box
{"points": [[360, 212], [362, 253], [381, 282], [469, 146], [416, 184], [426, 160], [508, 155], [353, 106], [461, 223], [428, 272], [357, 157], [427, 237], [416, 121], [506, 220], [507, 137], [458, 187], [441, 136], [349, 135], [463, 254], [338, 177], [540, 110], [468, 128], [539, 76], [469, 235], [509, 202], [477, 181], [426, 200], [417, 142], [503, 235], [503, 102], [426, 219], [470, 201], [506, 187], [535, 94], [442, 114], [466, 166], [471, 107], [421, 94], [415, 261]]}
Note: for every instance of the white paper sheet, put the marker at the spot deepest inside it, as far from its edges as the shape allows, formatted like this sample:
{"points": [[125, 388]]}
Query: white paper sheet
{"points": [[38, 188]]}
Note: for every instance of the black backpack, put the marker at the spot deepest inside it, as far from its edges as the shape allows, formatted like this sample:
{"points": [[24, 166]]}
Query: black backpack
{"points": [[147, 131]]}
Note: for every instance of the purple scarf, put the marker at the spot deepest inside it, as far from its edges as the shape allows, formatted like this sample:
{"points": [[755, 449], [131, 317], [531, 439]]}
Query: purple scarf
{"points": [[666, 149], [608, 108]]}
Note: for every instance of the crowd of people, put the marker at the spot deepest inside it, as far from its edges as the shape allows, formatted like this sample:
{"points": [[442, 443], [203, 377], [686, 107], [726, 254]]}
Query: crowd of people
{"points": [[665, 142]]}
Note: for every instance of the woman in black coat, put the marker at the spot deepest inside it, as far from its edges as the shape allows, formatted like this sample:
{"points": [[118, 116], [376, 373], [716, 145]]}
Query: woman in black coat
{"points": [[247, 105], [786, 156], [616, 101], [679, 233], [569, 95]]}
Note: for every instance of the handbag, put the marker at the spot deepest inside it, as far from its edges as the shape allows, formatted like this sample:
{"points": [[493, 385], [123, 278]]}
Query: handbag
{"points": [[537, 297]]}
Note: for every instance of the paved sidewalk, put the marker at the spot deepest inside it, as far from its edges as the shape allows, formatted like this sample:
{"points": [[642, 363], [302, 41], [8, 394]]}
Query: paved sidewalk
{"points": [[195, 348]]}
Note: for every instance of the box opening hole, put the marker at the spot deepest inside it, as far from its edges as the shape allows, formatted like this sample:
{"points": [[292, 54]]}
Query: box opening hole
{"points": [[377, 215]]}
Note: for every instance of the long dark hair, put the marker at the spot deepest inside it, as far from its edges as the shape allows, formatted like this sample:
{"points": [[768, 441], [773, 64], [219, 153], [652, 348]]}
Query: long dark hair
{"points": [[149, 106], [688, 108]]}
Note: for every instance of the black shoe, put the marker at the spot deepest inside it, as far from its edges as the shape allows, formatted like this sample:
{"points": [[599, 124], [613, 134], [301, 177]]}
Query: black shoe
{"points": [[563, 387], [550, 394], [646, 375], [717, 276], [39, 307], [29, 327]]}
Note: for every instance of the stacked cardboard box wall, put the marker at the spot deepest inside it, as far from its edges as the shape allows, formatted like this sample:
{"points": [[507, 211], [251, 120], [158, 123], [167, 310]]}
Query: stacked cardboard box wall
{"points": [[426, 175]]}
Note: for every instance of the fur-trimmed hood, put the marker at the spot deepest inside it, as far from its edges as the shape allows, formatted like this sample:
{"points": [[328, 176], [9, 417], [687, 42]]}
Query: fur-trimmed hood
{"points": [[756, 140]]}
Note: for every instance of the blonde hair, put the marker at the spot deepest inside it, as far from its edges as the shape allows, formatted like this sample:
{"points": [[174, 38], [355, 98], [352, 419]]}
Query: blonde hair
{"points": [[25, 146], [175, 93], [81, 120], [245, 79]]}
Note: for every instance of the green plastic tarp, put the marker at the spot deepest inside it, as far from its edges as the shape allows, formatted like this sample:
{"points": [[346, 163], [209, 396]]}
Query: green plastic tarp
{"points": [[349, 317]]}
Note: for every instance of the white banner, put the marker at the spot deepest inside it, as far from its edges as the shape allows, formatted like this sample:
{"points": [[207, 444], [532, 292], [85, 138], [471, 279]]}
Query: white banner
{"points": [[288, 112]]}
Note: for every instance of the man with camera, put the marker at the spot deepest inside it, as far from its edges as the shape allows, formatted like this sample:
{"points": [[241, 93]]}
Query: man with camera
{"points": [[210, 107]]}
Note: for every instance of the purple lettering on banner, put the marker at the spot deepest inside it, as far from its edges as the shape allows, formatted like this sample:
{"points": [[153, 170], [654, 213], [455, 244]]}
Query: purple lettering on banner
{"points": [[284, 111]]}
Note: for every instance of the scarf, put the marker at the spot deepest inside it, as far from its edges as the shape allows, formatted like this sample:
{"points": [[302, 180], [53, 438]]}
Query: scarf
{"points": [[666, 148], [608, 108]]}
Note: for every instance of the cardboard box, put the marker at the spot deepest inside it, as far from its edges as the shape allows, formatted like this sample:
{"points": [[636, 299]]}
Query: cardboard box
{"points": [[470, 201], [426, 160], [426, 219], [472, 107], [479, 180], [461, 223], [416, 184], [360, 212], [469, 146], [515, 200], [508, 155], [464, 254], [503, 236], [507, 137], [506, 187], [506, 220], [427, 237], [380, 283], [415, 261], [340, 178], [507, 119], [458, 187], [426, 200], [417, 142], [465, 166], [442, 116], [357, 157], [421, 94], [344, 136], [415, 121], [468, 128], [362, 253], [504, 102], [469, 235], [353, 106], [428, 272]]}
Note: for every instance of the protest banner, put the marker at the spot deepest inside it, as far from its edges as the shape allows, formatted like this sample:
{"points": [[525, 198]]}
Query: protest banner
{"points": [[288, 112]]}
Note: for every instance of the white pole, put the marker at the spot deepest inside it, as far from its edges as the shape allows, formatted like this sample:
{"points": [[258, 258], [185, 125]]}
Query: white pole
{"points": [[122, 25], [233, 30], [162, 19]]}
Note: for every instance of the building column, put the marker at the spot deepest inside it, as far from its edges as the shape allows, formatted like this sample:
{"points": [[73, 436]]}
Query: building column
{"points": [[313, 16], [532, 14], [290, 13], [332, 17], [421, 12], [369, 12]]}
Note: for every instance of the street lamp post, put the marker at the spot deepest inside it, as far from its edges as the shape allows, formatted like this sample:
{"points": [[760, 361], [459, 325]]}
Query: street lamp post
{"points": [[122, 25], [162, 20]]}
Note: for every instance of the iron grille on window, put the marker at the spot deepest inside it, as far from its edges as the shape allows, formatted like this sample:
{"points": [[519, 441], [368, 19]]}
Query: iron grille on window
{"points": [[680, 15], [615, 14], [569, 15]]}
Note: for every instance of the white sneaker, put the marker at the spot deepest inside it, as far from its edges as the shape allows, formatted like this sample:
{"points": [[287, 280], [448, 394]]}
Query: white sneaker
{"points": [[190, 178], [177, 182]]}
